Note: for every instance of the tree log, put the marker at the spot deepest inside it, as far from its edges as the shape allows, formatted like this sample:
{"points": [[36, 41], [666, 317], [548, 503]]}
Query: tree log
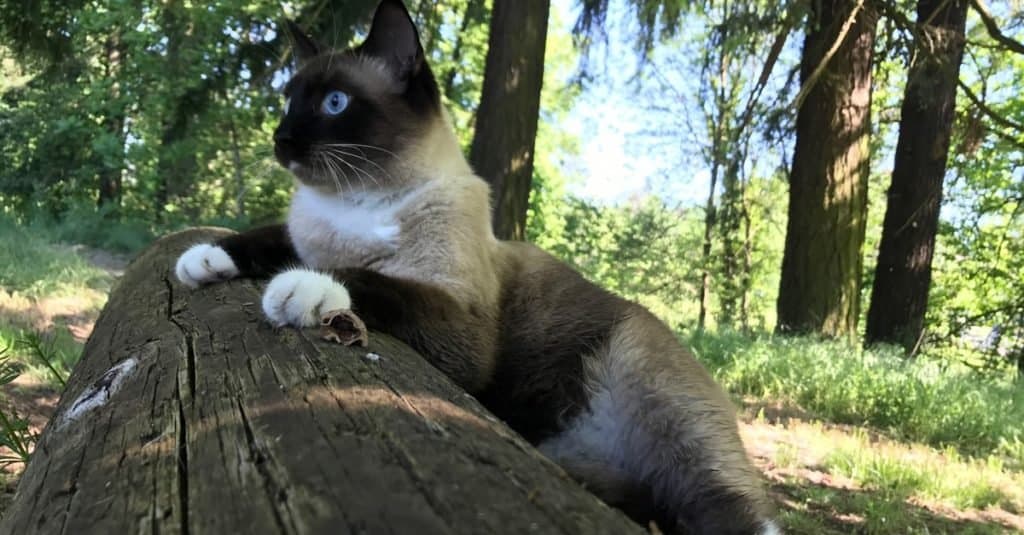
{"points": [[190, 414]]}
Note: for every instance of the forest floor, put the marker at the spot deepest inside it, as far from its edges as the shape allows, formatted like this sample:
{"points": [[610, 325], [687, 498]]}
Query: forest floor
{"points": [[824, 477]]}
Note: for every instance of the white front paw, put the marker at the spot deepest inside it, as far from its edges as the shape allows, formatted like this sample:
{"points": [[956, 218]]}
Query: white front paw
{"points": [[299, 297], [204, 263]]}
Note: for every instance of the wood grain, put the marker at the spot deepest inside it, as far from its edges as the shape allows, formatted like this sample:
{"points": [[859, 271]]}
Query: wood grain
{"points": [[189, 414]]}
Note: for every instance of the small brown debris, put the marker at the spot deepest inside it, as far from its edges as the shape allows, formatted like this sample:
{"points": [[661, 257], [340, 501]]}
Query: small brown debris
{"points": [[343, 327]]}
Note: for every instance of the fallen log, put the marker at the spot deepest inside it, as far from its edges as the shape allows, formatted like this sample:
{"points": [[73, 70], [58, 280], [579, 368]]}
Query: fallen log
{"points": [[189, 414]]}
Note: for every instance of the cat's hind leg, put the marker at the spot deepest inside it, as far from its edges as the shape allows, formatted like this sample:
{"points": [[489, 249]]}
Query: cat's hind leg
{"points": [[659, 439]]}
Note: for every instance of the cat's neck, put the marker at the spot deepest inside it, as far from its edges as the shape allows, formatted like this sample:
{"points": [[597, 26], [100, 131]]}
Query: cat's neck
{"points": [[437, 154]]}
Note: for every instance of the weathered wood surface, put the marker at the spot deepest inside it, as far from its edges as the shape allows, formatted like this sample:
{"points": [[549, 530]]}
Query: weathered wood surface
{"points": [[189, 414]]}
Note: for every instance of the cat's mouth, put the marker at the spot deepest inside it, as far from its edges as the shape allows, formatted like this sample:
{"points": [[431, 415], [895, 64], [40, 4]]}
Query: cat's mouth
{"points": [[303, 172], [319, 176]]}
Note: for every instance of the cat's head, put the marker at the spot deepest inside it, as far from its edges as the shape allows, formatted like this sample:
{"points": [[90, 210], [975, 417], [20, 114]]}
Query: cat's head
{"points": [[354, 118]]}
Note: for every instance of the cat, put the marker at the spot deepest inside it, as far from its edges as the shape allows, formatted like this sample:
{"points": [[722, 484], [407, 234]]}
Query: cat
{"points": [[389, 220]]}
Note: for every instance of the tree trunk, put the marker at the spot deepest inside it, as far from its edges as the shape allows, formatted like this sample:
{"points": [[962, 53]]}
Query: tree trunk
{"points": [[113, 167], [189, 414], [177, 164], [899, 296], [506, 122], [821, 267], [709, 227], [730, 224]]}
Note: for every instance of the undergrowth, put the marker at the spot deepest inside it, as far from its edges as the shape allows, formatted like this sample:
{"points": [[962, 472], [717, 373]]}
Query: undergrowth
{"points": [[936, 402], [35, 267]]}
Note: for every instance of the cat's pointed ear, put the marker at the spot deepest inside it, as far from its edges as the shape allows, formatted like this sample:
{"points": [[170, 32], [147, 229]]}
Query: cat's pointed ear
{"points": [[393, 38], [304, 47]]}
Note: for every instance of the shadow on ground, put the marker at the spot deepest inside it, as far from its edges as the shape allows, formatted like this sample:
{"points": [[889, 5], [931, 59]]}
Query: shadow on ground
{"points": [[814, 508]]}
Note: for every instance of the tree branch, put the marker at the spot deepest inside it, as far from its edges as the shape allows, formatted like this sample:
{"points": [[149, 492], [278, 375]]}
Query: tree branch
{"points": [[993, 28], [992, 114]]}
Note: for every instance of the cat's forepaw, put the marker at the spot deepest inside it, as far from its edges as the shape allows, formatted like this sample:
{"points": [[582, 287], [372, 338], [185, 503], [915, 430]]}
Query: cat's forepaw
{"points": [[299, 297], [204, 263]]}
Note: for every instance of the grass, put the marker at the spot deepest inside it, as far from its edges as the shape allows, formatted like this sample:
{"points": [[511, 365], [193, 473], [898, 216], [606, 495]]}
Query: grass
{"points": [[43, 287], [830, 478], [935, 402], [35, 267], [899, 472]]}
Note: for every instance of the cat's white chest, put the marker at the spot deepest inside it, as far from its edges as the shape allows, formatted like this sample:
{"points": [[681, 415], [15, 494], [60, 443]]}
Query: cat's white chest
{"points": [[331, 231]]}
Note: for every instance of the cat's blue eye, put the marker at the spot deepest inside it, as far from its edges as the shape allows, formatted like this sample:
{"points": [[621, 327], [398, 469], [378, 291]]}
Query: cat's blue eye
{"points": [[334, 103]]}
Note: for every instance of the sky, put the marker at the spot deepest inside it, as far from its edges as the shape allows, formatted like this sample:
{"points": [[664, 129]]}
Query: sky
{"points": [[617, 161], [611, 164]]}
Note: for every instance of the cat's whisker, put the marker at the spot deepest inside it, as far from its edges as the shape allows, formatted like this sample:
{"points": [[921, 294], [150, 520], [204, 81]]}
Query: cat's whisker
{"points": [[361, 146], [364, 158], [341, 170], [335, 171], [340, 154], [358, 170], [340, 159], [341, 151]]}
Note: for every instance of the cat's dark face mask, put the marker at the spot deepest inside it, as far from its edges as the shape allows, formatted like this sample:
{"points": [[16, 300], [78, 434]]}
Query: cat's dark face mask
{"points": [[350, 115]]}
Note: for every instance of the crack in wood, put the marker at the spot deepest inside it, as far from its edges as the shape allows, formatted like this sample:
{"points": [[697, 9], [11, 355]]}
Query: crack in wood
{"points": [[73, 483], [182, 447], [276, 493]]}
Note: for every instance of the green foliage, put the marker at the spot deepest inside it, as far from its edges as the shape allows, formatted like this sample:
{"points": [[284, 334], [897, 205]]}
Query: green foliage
{"points": [[15, 434], [927, 400]]}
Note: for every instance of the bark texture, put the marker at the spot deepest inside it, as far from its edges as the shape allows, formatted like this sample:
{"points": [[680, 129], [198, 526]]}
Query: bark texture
{"points": [[903, 275], [506, 122], [819, 290], [189, 414]]}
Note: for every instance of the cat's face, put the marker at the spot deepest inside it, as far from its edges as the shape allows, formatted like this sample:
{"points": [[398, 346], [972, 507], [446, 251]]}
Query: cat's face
{"points": [[351, 115]]}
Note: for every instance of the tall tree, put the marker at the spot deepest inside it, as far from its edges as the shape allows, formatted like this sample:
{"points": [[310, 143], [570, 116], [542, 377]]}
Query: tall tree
{"points": [[113, 164], [899, 296], [821, 268], [506, 124]]}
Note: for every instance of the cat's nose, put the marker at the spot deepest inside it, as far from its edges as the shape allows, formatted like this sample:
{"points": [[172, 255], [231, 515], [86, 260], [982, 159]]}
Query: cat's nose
{"points": [[285, 147]]}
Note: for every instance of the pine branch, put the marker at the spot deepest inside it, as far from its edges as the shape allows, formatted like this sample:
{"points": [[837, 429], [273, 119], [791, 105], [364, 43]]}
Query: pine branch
{"points": [[993, 28], [988, 111]]}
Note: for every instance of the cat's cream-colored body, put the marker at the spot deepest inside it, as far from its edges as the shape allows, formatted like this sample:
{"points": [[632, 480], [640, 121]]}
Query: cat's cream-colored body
{"points": [[396, 225], [435, 229]]}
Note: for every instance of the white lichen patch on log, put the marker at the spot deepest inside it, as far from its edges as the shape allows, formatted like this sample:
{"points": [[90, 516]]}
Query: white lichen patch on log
{"points": [[100, 392]]}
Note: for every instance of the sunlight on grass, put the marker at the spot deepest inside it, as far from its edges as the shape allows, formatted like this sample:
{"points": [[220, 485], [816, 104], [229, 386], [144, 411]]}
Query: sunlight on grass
{"points": [[899, 471], [36, 268], [839, 479], [939, 403], [45, 287]]}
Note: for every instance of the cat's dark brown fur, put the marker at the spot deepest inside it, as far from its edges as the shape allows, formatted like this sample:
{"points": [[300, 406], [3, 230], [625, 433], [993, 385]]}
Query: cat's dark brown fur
{"points": [[402, 225]]}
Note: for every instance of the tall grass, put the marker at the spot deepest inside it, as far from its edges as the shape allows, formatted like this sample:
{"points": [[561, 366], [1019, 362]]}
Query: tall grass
{"points": [[936, 402]]}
